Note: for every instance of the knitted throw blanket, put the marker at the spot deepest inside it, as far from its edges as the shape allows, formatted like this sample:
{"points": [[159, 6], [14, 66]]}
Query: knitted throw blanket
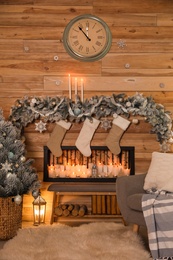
{"points": [[158, 213]]}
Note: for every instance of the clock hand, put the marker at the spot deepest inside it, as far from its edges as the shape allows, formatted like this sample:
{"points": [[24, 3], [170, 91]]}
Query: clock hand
{"points": [[84, 34]]}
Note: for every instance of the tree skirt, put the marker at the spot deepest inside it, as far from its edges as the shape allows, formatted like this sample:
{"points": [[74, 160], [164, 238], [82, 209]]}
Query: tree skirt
{"points": [[102, 241]]}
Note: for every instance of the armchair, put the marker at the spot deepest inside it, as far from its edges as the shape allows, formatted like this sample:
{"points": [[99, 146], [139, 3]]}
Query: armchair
{"points": [[129, 190]]}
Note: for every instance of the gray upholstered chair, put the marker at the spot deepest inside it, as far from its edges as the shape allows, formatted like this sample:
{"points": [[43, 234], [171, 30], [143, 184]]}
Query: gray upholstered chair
{"points": [[129, 191]]}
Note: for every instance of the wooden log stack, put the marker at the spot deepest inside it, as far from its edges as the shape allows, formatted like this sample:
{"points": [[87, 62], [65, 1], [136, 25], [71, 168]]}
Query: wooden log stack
{"points": [[70, 210], [105, 205]]}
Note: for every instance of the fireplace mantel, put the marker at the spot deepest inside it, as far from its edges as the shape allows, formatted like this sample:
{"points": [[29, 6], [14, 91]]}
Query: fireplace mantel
{"points": [[129, 151]]}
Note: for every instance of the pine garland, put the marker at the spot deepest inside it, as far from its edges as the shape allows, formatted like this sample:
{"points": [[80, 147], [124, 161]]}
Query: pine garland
{"points": [[52, 109]]}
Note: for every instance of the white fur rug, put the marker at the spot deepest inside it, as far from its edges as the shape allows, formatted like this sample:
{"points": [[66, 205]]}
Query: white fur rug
{"points": [[94, 241]]}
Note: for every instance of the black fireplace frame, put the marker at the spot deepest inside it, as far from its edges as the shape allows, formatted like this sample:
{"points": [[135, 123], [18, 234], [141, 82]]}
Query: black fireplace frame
{"points": [[47, 153]]}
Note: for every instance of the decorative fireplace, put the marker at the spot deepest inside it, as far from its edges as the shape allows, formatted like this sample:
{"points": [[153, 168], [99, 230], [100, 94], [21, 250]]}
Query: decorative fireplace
{"points": [[72, 166]]}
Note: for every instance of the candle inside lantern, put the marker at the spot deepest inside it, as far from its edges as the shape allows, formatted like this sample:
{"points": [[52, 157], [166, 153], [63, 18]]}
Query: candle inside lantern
{"points": [[69, 86]]}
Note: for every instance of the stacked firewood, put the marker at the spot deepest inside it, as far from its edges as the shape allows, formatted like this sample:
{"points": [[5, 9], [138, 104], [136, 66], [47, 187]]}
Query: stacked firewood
{"points": [[70, 210], [105, 204]]}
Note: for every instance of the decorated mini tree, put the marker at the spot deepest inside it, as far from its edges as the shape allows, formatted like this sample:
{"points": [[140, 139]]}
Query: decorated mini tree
{"points": [[17, 176]]}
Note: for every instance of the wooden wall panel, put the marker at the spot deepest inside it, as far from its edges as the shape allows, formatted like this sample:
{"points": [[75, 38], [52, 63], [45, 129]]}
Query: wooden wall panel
{"points": [[33, 62]]}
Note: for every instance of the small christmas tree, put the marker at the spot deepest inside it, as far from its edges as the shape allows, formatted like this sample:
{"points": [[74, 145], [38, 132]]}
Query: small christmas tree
{"points": [[17, 176]]}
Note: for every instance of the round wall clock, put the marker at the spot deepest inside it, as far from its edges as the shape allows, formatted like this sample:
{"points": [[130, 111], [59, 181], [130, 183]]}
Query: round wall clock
{"points": [[87, 38]]}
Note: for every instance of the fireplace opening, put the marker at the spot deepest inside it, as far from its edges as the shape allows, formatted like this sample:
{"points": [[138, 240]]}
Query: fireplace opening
{"points": [[72, 166]]}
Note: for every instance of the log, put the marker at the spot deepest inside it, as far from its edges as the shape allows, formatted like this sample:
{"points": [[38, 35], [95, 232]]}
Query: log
{"points": [[70, 207], [118, 212], [99, 204], [113, 205], [103, 204], [66, 212], [75, 211], [58, 210], [64, 206], [82, 210], [94, 204], [108, 204]]}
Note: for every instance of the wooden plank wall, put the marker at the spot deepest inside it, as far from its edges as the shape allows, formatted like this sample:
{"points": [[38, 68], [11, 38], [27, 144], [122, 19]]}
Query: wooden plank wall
{"points": [[31, 41]]}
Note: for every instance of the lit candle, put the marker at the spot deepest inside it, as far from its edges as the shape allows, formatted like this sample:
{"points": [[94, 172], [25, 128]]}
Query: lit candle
{"points": [[69, 85], [88, 173], [127, 172], [82, 90], [120, 168], [73, 175], [78, 170], [62, 174], [57, 169], [110, 167], [51, 171], [100, 168], [68, 167], [62, 167], [75, 85], [105, 170], [115, 170]]}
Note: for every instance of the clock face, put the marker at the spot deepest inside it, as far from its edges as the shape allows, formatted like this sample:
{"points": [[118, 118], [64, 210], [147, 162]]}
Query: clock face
{"points": [[87, 38]]}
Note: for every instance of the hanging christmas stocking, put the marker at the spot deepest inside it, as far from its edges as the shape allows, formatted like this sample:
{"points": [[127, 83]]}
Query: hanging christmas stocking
{"points": [[119, 125], [85, 136], [54, 142]]}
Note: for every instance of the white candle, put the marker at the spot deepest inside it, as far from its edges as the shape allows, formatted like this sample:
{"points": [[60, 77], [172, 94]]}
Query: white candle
{"points": [[100, 168], [62, 167], [82, 90], [110, 167], [88, 173], [75, 85], [51, 170], [57, 169], [69, 86], [62, 174], [73, 175], [68, 167], [115, 170], [127, 172], [105, 168]]}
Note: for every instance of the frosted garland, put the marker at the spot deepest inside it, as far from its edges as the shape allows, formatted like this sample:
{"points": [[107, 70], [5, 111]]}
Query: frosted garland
{"points": [[52, 109]]}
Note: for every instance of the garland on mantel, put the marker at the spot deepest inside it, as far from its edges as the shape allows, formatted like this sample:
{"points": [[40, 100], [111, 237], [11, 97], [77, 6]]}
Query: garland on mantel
{"points": [[53, 109]]}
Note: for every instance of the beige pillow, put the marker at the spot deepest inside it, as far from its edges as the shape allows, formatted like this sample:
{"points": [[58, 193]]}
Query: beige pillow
{"points": [[160, 172]]}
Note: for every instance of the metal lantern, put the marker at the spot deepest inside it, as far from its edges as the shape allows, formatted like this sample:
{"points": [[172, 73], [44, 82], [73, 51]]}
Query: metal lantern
{"points": [[39, 210]]}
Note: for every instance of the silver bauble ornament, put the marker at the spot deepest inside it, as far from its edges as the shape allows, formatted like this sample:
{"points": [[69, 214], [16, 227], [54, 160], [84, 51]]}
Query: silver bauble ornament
{"points": [[135, 121], [23, 158], [18, 199], [10, 155], [77, 111]]}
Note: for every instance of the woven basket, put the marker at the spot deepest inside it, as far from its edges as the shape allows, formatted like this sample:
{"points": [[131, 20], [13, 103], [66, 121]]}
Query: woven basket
{"points": [[10, 218]]}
